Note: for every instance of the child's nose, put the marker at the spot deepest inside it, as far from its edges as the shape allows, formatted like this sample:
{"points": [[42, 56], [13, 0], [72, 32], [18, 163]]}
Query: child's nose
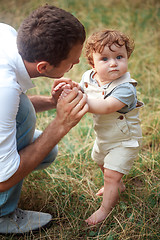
{"points": [[113, 62]]}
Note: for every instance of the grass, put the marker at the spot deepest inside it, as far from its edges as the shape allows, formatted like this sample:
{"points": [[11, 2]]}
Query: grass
{"points": [[67, 188]]}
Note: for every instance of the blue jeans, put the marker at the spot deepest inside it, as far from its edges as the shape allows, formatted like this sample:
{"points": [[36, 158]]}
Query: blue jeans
{"points": [[26, 133]]}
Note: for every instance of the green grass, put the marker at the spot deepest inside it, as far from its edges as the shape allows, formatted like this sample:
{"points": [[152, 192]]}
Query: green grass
{"points": [[67, 188]]}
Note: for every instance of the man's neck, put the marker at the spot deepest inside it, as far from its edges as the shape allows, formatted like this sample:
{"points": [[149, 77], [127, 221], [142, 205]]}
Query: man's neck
{"points": [[31, 69]]}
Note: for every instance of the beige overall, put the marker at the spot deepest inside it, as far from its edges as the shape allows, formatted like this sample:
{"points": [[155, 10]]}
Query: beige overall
{"points": [[118, 135]]}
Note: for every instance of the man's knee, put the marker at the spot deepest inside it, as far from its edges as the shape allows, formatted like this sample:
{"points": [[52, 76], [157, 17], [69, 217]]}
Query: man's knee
{"points": [[48, 159], [53, 154]]}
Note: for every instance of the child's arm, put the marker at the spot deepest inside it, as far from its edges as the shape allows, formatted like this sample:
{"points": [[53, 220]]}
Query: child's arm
{"points": [[97, 106], [104, 106]]}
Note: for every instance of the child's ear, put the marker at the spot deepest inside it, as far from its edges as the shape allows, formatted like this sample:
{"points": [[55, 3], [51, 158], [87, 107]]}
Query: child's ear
{"points": [[42, 67]]}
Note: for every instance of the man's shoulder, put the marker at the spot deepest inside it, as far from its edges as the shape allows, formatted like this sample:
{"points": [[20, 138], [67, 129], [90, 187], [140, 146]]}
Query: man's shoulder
{"points": [[5, 28]]}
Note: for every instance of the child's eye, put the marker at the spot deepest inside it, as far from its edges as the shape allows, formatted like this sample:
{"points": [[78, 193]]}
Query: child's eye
{"points": [[119, 57], [104, 58]]}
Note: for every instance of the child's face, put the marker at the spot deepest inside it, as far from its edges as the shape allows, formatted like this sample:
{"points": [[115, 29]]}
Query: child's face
{"points": [[110, 65]]}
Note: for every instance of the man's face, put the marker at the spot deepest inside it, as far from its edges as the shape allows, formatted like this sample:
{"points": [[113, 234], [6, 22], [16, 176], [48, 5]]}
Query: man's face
{"points": [[65, 65]]}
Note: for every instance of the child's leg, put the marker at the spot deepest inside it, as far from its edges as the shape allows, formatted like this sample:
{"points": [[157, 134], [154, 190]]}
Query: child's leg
{"points": [[101, 190], [112, 189]]}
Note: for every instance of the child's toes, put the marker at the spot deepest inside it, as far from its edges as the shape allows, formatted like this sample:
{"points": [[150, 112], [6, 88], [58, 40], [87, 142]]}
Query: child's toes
{"points": [[100, 192]]}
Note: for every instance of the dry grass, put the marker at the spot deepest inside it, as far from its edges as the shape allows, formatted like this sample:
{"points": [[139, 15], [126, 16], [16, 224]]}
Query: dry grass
{"points": [[67, 189]]}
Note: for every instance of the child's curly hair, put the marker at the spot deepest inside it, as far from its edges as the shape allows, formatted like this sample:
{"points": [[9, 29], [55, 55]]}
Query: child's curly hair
{"points": [[98, 40]]}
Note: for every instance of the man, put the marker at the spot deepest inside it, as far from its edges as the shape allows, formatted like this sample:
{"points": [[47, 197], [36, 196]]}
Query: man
{"points": [[49, 43]]}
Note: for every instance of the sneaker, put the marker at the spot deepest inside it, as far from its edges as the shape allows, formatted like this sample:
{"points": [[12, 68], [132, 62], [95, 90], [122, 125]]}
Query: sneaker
{"points": [[22, 221]]}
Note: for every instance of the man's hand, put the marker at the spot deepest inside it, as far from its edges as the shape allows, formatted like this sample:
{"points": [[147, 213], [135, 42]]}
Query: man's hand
{"points": [[71, 108], [59, 85]]}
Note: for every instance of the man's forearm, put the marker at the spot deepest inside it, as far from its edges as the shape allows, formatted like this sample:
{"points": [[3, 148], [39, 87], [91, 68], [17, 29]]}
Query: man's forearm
{"points": [[42, 103]]}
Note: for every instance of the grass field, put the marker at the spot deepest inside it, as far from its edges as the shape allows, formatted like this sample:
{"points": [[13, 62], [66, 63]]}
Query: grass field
{"points": [[67, 189]]}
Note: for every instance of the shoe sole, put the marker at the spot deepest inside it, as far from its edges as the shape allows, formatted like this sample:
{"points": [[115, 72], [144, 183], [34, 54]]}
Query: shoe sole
{"points": [[48, 225]]}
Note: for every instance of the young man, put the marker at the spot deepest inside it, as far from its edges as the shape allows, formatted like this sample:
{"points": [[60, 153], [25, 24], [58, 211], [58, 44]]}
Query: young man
{"points": [[49, 43]]}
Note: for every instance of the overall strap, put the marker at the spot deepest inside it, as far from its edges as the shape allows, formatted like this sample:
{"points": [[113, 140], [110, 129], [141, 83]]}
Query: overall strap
{"points": [[124, 79]]}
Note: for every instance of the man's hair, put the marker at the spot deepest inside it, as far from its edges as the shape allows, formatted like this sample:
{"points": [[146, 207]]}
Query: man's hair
{"points": [[98, 40], [49, 34]]}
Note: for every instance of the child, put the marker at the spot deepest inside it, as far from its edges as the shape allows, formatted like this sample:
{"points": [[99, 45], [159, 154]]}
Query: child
{"points": [[112, 100]]}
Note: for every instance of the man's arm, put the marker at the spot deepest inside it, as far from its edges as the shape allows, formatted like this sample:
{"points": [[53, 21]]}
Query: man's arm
{"points": [[44, 103], [70, 110]]}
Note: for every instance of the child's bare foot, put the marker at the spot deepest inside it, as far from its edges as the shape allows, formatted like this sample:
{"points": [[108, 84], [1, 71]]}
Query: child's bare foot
{"points": [[100, 192], [122, 189], [97, 216]]}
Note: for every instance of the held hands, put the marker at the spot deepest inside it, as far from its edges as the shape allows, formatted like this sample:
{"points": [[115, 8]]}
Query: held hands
{"points": [[71, 106], [59, 85]]}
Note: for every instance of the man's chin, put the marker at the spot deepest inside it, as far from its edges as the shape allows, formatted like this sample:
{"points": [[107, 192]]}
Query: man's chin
{"points": [[57, 77]]}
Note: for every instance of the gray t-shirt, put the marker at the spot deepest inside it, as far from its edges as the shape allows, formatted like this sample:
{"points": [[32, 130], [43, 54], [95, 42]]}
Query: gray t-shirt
{"points": [[124, 92]]}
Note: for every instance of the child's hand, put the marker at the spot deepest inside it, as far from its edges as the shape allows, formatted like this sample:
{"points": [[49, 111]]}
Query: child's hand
{"points": [[58, 87], [65, 92], [60, 84]]}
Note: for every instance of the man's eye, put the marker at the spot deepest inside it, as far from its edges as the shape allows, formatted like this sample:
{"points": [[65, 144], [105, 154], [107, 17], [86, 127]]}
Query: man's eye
{"points": [[104, 58], [119, 57]]}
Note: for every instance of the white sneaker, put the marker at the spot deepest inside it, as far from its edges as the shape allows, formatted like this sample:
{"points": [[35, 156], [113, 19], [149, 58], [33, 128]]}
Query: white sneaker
{"points": [[22, 221]]}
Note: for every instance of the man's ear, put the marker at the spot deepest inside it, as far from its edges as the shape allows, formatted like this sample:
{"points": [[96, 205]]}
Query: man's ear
{"points": [[42, 67]]}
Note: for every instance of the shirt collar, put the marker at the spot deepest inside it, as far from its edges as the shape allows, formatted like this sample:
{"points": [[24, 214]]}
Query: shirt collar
{"points": [[93, 80], [23, 77]]}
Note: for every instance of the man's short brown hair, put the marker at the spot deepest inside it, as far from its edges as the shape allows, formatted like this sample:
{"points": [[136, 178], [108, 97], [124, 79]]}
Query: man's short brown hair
{"points": [[48, 34]]}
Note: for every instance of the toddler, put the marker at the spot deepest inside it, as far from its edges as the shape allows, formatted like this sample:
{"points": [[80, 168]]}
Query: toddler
{"points": [[112, 100]]}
